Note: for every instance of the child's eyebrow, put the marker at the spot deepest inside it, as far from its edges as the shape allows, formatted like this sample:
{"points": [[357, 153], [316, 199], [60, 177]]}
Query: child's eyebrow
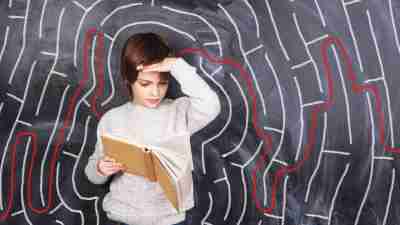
{"points": [[145, 80], [150, 81]]}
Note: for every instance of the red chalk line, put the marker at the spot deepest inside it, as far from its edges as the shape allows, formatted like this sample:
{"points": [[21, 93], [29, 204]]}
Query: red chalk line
{"points": [[317, 109], [99, 55]]}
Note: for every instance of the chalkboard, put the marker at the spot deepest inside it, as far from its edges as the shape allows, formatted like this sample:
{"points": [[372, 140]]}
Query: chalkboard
{"points": [[308, 132]]}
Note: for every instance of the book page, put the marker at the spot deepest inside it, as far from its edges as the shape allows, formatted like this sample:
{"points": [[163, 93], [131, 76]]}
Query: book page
{"points": [[174, 152], [182, 185], [166, 181]]}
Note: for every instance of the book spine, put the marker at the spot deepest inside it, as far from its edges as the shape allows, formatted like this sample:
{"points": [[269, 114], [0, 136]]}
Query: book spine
{"points": [[151, 174]]}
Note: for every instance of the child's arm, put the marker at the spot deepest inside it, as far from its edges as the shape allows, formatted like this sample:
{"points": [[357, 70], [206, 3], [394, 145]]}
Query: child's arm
{"points": [[203, 103], [91, 169]]}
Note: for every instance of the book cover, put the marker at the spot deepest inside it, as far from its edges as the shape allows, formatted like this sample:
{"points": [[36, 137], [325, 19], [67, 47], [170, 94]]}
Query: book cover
{"points": [[155, 163]]}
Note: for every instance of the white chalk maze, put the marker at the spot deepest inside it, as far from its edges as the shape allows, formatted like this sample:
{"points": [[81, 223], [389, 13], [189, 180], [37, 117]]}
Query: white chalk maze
{"points": [[347, 176]]}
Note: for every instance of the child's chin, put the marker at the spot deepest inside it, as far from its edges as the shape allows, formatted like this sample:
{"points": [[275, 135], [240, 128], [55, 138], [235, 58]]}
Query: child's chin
{"points": [[152, 105]]}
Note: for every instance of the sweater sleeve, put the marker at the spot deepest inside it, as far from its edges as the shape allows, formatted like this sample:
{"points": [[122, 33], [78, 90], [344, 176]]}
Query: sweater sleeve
{"points": [[91, 167], [204, 105]]}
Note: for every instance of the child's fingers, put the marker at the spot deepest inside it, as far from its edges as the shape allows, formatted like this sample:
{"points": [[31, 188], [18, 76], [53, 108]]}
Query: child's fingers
{"points": [[150, 68], [154, 67], [108, 159], [111, 170], [107, 165], [124, 168], [163, 66], [114, 165], [115, 169], [118, 164]]}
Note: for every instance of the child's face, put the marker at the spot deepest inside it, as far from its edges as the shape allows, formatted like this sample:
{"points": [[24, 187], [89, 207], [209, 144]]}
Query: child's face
{"points": [[149, 90]]}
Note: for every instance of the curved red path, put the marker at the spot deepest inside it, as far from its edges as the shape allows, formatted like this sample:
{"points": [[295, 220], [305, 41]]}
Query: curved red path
{"points": [[60, 139]]}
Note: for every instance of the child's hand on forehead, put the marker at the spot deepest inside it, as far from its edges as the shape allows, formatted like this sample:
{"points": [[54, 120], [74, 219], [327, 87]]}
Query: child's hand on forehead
{"points": [[163, 66]]}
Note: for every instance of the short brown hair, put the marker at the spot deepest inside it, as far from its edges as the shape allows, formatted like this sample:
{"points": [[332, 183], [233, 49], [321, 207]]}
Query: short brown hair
{"points": [[142, 48]]}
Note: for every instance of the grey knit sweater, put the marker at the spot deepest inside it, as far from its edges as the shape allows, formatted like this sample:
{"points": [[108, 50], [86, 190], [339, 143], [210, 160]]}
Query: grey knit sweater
{"points": [[132, 199]]}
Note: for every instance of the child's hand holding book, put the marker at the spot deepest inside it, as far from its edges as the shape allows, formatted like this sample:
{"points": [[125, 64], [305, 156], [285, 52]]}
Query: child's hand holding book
{"points": [[107, 166]]}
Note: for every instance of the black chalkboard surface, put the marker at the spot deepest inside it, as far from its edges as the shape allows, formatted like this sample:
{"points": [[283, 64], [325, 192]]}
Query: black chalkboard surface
{"points": [[308, 132]]}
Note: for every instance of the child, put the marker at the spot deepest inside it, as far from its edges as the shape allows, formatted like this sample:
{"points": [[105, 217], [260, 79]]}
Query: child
{"points": [[146, 66]]}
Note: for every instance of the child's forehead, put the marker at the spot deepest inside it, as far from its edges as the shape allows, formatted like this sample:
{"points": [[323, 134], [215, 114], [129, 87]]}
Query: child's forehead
{"points": [[150, 76]]}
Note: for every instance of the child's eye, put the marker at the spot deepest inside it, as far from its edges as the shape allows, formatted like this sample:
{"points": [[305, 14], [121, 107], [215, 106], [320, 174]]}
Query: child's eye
{"points": [[144, 84]]}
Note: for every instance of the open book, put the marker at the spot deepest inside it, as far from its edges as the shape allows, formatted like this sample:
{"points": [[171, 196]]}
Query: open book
{"points": [[167, 163]]}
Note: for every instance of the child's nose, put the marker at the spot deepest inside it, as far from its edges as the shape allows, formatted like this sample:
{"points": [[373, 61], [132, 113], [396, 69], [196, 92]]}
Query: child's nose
{"points": [[156, 91]]}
